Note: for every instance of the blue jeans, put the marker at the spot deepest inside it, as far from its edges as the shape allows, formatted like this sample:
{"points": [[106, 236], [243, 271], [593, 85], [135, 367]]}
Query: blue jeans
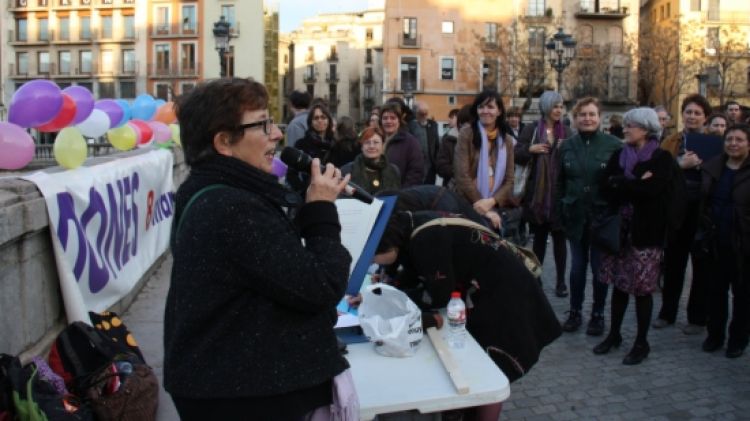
{"points": [[581, 254]]}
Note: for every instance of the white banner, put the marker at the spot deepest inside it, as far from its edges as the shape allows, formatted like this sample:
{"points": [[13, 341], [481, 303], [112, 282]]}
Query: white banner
{"points": [[109, 223]]}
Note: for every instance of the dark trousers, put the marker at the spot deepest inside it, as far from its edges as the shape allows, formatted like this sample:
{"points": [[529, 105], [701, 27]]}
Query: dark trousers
{"points": [[726, 274], [559, 250], [581, 255], [679, 248]]}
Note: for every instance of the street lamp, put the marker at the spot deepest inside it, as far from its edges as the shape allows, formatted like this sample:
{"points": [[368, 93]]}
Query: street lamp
{"points": [[561, 50], [221, 36]]}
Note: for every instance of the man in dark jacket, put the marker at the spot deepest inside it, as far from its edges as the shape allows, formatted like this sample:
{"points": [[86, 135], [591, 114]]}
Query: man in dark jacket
{"points": [[426, 131]]}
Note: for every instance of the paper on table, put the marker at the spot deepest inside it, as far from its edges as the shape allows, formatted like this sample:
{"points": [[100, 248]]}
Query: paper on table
{"points": [[357, 219]]}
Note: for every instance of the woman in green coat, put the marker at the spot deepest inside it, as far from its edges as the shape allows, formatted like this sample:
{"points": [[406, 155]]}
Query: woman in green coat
{"points": [[582, 159]]}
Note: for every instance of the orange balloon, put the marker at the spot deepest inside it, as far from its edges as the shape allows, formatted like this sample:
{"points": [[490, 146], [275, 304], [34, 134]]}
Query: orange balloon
{"points": [[166, 113]]}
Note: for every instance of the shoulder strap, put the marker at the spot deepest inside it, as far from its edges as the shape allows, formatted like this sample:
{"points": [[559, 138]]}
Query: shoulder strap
{"points": [[454, 221], [192, 199]]}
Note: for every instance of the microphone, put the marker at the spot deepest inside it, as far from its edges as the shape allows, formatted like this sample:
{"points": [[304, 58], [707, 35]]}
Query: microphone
{"points": [[300, 161]]}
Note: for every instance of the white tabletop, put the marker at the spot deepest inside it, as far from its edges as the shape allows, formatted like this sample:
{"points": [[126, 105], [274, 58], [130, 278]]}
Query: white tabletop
{"points": [[421, 382]]}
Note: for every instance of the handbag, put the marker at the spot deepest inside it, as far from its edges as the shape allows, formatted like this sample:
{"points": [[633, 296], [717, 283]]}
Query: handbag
{"points": [[605, 231], [521, 175]]}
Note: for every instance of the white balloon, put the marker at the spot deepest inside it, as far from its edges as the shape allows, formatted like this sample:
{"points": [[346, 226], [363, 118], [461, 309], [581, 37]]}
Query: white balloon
{"points": [[95, 125]]}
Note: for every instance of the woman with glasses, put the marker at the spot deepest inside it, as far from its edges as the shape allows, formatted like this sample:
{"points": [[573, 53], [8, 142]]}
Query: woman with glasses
{"points": [[726, 198], [371, 169], [635, 184], [248, 325], [318, 141]]}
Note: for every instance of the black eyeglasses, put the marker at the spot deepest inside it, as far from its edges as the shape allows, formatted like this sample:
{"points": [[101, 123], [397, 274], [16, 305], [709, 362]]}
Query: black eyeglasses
{"points": [[267, 126]]}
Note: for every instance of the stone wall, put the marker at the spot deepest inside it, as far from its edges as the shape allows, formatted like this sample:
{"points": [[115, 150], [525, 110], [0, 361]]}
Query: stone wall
{"points": [[31, 307]]}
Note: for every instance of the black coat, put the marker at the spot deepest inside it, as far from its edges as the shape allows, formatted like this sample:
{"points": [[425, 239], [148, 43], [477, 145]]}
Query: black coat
{"points": [[740, 197], [511, 318], [648, 197], [250, 310]]}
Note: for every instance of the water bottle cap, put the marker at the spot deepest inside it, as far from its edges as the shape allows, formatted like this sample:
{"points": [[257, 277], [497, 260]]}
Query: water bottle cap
{"points": [[455, 294]]}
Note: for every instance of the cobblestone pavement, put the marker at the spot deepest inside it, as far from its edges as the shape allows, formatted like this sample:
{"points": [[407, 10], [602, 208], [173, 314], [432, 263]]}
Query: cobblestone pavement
{"points": [[678, 381]]}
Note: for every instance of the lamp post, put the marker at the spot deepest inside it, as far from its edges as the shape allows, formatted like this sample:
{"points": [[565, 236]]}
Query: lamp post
{"points": [[221, 36], [561, 50]]}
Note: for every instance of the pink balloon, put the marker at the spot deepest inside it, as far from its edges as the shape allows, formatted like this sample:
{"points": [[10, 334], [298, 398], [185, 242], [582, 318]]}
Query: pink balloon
{"points": [[162, 132], [16, 147]]}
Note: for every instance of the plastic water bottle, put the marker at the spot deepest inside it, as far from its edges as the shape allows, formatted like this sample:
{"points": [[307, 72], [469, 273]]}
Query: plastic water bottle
{"points": [[456, 321]]}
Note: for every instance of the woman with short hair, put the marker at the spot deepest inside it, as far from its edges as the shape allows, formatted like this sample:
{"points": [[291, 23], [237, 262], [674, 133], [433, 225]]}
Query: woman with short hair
{"points": [[635, 185], [401, 148], [371, 169]]}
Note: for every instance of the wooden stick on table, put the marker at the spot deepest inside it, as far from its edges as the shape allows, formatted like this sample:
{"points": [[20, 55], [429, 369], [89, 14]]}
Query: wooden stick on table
{"points": [[446, 356]]}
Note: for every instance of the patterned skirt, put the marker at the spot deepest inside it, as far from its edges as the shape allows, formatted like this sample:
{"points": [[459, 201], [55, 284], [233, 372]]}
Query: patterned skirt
{"points": [[633, 270]]}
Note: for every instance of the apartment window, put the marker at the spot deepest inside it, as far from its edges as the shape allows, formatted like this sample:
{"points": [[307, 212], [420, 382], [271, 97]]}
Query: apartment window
{"points": [[22, 63], [67, 2], [368, 74], [489, 73], [106, 26], [311, 89], [452, 100], [128, 61], [63, 28], [536, 40], [410, 31], [368, 56], [447, 27], [87, 85], [536, 8], [162, 20], [619, 82], [187, 52], [609, 5], [227, 10], [162, 91], [63, 60], [43, 29], [587, 6], [107, 90], [669, 10], [713, 10], [43, 62], [42, 3], [188, 19], [368, 34], [22, 27], [187, 87], [369, 92], [712, 40], [128, 26], [85, 27], [490, 33], [714, 78], [447, 66], [695, 5], [127, 89], [661, 12], [409, 73], [107, 63], [85, 61], [162, 58], [332, 72]]}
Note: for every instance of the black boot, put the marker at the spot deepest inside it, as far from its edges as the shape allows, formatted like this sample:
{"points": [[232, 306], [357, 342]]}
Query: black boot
{"points": [[596, 325], [637, 354], [574, 321], [612, 341]]}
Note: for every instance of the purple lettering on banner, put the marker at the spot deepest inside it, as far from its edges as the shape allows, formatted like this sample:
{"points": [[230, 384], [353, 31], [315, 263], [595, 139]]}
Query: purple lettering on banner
{"points": [[67, 214], [136, 184], [98, 273], [126, 217], [115, 227]]}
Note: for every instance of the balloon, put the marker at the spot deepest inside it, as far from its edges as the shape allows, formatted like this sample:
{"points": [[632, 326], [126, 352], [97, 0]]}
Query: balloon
{"points": [[162, 133], [123, 137], [16, 147], [146, 134], [278, 168], [165, 113], [175, 128], [112, 109], [63, 118], [95, 125], [143, 107], [126, 113], [35, 103], [70, 148], [84, 102]]}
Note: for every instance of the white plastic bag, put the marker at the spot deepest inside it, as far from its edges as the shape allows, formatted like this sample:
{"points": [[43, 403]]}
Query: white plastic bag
{"points": [[391, 320]]}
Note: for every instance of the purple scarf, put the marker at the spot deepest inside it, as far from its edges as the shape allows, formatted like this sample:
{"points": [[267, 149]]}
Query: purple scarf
{"points": [[631, 155], [483, 182]]}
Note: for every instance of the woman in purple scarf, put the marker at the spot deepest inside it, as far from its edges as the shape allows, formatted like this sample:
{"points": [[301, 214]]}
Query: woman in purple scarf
{"points": [[635, 184]]}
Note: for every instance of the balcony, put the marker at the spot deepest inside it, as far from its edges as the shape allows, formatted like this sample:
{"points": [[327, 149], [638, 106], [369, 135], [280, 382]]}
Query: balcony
{"points": [[333, 101], [174, 30], [308, 78], [332, 57], [174, 71], [368, 79], [604, 12], [489, 43], [26, 41], [545, 18], [409, 40], [404, 86], [54, 72], [332, 78]]}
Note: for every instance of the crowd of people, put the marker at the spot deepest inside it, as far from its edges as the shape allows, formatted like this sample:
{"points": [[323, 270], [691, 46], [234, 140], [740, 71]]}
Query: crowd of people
{"points": [[242, 276]]}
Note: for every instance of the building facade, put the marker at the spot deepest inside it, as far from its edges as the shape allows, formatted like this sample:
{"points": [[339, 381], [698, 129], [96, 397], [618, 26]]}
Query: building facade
{"points": [[337, 57]]}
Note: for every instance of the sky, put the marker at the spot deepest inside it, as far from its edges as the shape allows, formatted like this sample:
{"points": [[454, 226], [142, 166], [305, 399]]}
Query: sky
{"points": [[293, 12]]}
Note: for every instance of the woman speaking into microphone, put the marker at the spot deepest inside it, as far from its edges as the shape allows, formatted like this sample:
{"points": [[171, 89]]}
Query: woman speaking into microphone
{"points": [[250, 311]]}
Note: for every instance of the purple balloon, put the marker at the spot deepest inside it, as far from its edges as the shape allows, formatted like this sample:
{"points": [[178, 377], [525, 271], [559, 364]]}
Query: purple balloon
{"points": [[278, 168], [35, 103], [112, 109], [84, 102]]}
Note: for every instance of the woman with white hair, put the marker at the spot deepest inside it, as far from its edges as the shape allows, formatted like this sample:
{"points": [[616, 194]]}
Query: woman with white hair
{"points": [[634, 183], [538, 146]]}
